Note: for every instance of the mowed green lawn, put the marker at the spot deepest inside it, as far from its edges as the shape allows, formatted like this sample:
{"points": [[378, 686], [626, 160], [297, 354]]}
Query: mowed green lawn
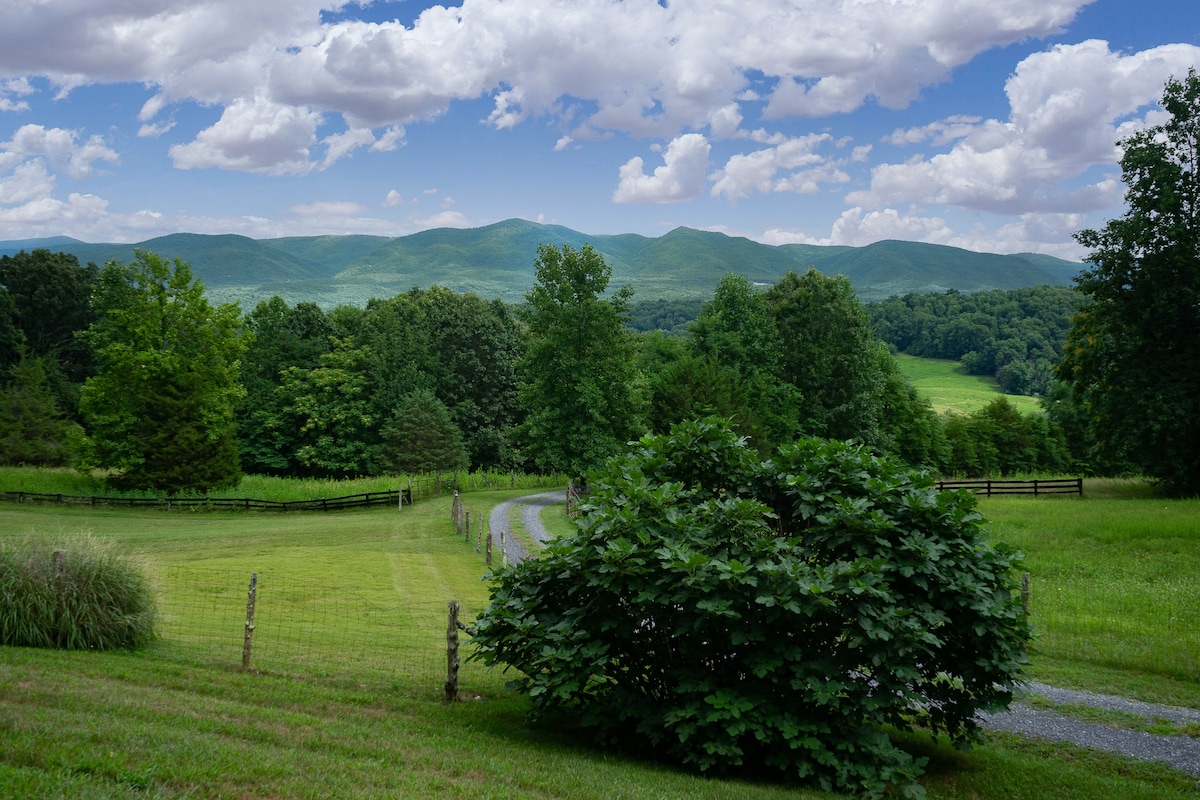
{"points": [[174, 722], [948, 387]]}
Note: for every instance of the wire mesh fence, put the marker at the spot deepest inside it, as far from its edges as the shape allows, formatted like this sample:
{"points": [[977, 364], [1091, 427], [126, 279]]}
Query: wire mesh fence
{"points": [[310, 629]]}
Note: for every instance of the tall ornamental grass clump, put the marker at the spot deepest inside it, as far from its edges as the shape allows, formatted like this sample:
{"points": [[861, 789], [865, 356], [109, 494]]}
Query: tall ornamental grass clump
{"points": [[75, 593]]}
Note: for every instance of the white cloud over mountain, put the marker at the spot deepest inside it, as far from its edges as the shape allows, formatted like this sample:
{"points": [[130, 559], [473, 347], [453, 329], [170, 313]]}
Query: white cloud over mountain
{"points": [[735, 96]]}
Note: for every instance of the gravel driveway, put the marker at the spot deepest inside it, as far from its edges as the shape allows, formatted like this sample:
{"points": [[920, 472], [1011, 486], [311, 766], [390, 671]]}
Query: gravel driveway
{"points": [[1181, 752], [531, 517]]}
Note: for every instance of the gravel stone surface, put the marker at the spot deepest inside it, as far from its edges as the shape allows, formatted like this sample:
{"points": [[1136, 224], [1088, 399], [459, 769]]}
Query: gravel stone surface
{"points": [[531, 517], [1181, 752]]}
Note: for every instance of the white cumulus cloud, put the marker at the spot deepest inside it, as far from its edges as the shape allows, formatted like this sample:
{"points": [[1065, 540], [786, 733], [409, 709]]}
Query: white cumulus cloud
{"points": [[255, 135], [1068, 105], [681, 177]]}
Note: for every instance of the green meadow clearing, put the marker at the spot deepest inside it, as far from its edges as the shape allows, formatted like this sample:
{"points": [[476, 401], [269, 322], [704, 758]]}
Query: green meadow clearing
{"points": [[948, 387], [345, 694]]}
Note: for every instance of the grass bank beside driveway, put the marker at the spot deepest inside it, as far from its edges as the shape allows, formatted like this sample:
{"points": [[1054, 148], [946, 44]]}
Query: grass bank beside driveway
{"points": [[176, 722]]}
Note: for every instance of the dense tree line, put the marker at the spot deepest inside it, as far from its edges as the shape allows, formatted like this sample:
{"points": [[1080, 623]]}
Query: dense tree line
{"points": [[141, 376], [1015, 335], [1130, 362], [156, 377], [130, 369]]}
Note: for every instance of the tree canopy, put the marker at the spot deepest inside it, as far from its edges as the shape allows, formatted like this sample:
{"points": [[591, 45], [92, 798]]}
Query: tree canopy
{"points": [[727, 610], [577, 374], [421, 437], [161, 408], [1132, 351]]}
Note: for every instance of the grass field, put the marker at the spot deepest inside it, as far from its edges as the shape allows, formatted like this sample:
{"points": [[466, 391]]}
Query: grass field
{"points": [[948, 387], [181, 720]]}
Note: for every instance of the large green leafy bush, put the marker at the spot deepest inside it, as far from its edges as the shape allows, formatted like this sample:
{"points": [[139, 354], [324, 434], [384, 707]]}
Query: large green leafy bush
{"points": [[726, 611]]}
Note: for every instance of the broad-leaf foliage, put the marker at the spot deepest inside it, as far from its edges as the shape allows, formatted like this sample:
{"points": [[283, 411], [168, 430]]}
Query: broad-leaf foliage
{"points": [[727, 610]]}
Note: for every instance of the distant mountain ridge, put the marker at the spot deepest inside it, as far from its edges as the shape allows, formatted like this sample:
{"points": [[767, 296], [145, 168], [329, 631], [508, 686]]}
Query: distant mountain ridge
{"points": [[497, 261]]}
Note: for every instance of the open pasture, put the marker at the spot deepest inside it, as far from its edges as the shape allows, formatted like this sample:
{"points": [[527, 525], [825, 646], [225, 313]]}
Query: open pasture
{"points": [[364, 717], [1115, 593], [948, 387]]}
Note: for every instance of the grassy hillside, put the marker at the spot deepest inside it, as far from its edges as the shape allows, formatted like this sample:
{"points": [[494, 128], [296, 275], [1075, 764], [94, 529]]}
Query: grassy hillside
{"points": [[948, 387], [176, 722], [497, 261]]}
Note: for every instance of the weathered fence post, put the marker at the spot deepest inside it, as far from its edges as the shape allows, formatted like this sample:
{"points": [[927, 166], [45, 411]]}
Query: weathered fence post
{"points": [[467, 526], [452, 652], [1025, 592], [503, 549], [487, 550], [251, 597]]}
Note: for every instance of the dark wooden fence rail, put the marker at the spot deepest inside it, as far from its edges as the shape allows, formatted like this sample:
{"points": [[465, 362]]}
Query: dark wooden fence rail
{"points": [[1036, 486], [366, 500], [431, 487], [417, 489]]}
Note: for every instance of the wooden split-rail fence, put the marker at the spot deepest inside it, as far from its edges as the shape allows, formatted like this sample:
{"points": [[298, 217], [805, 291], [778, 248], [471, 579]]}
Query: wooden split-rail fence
{"points": [[1037, 486]]}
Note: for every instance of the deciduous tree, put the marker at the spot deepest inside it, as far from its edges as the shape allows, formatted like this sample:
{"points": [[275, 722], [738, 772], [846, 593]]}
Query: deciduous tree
{"points": [[1132, 351], [578, 378], [280, 338], [830, 354], [161, 408], [736, 332], [329, 407]]}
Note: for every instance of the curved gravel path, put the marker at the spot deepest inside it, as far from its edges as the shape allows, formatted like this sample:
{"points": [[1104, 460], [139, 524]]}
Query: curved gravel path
{"points": [[1181, 752], [531, 510]]}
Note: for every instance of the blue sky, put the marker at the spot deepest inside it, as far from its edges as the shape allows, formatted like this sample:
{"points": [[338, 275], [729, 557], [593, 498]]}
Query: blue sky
{"points": [[985, 124]]}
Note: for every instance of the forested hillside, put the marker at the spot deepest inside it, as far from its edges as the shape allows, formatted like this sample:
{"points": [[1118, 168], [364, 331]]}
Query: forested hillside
{"points": [[1015, 335], [496, 261], [141, 374]]}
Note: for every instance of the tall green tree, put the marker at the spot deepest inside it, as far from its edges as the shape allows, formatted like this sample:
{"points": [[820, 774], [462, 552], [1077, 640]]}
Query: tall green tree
{"points": [[32, 429], [474, 346], [52, 294], [830, 354], [578, 378], [1132, 352], [736, 331], [281, 337], [51, 301], [331, 410], [421, 437], [161, 408]]}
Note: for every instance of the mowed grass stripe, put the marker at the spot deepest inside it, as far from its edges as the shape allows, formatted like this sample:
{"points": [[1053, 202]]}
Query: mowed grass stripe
{"points": [[104, 725], [948, 387]]}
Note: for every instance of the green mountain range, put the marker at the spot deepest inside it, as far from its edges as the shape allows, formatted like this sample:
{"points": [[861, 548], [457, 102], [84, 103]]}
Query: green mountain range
{"points": [[497, 261]]}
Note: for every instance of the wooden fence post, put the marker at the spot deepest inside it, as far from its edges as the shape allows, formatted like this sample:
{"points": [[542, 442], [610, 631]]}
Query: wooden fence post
{"points": [[487, 550], [452, 652], [467, 526], [251, 597], [1025, 592]]}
